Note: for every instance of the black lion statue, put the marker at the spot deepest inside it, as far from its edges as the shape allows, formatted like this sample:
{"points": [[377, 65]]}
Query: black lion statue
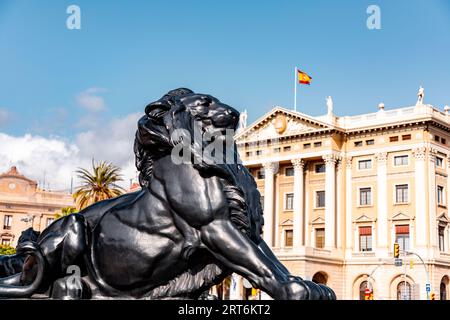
{"points": [[191, 225]]}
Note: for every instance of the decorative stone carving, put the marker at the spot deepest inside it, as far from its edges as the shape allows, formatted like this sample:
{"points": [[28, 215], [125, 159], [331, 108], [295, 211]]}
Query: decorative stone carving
{"points": [[381, 157], [348, 162], [298, 164], [270, 168], [420, 95], [432, 153], [330, 159], [419, 153]]}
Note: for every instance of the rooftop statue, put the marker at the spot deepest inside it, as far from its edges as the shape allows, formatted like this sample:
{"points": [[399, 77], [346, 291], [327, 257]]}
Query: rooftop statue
{"points": [[420, 95], [242, 120], [190, 226], [329, 105]]}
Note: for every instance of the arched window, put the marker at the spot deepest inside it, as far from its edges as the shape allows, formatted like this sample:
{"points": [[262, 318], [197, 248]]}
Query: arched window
{"points": [[443, 291], [320, 277], [443, 288], [404, 291], [362, 290]]}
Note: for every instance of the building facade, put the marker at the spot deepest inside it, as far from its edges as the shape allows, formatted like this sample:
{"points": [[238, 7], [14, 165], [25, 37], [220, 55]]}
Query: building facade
{"points": [[338, 192], [24, 205]]}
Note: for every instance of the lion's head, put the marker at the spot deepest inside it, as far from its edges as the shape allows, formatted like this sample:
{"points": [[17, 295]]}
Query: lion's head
{"points": [[184, 117]]}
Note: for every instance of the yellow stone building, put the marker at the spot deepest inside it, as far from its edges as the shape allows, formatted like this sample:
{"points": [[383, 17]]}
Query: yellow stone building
{"points": [[338, 192], [24, 205]]}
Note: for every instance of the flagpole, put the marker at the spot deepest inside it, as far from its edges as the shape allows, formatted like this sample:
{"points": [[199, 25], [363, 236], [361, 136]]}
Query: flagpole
{"points": [[295, 89]]}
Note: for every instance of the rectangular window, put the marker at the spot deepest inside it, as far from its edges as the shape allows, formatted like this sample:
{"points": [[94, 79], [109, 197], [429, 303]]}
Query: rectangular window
{"points": [[289, 205], [276, 150], [7, 222], [358, 143], [365, 196], [364, 164], [439, 162], [320, 199], [406, 137], [317, 144], [393, 139], [436, 138], [260, 174], [441, 232], [289, 172], [258, 152], [365, 238], [249, 153], [370, 142], [401, 160], [401, 193], [49, 221], [320, 238], [402, 236], [443, 141], [440, 194], [6, 242], [288, 148], [319, 168], [288, 238], [306, 145]]}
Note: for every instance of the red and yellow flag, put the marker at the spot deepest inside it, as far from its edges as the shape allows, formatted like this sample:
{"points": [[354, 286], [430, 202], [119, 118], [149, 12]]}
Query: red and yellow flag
{"points": [[303, 78]]}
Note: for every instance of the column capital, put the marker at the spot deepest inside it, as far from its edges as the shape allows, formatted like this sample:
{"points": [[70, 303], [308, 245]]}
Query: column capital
{"points": [[348, 162], [330, 159], [381, 157], [270, 167], [432, 153], [298, 164], [419, 153]]}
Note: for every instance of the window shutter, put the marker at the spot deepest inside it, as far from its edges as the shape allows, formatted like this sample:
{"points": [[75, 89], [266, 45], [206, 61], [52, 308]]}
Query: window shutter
{"points": [[403, 229], [365, 231]]}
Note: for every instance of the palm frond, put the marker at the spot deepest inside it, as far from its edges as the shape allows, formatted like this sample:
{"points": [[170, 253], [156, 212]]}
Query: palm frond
{"points": [[100, 184]]}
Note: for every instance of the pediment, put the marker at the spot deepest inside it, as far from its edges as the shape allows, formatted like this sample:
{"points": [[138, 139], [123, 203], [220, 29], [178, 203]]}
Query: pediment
{"points": [[280, 122], [287, 222], [401, 216], [363, 218], [318, 220]]}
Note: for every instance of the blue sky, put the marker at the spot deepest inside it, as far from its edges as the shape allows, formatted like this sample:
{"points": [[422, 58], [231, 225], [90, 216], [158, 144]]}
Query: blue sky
{"points": [[129, 53]]}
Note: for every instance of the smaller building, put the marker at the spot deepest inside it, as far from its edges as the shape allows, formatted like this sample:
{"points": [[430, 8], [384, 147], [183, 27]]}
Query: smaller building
{"points": [[24, 205]]}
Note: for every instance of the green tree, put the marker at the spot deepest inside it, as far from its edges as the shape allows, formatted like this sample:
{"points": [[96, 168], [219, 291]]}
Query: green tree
{"points": [[98, 185], [65, 212], [6, 249]]}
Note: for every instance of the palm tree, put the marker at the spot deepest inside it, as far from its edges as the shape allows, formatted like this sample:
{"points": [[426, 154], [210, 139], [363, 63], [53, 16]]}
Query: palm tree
{"points": [[65, 212], [99, 185]]}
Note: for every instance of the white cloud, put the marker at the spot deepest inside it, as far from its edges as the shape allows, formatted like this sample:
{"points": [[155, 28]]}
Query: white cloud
{"points": [[33, 155], [91, 100]]}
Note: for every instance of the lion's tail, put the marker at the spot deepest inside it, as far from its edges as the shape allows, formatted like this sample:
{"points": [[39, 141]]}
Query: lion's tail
{"points": [[13, 291]]}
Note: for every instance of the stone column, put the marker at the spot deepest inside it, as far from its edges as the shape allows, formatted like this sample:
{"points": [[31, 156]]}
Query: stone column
{"points": [[330, 200], [307, 234], [420, 195], [298, 201], [447, 200], [348, 207], [339, 199], [432, 200], [382, 219], [270, 168]]}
